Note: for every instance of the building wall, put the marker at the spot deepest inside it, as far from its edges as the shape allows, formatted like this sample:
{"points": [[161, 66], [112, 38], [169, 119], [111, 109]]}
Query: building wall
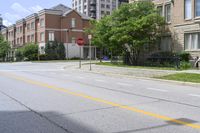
{"points": [[20, 34], [95, 8], [11, 36], [179, 25], [49, 23]]}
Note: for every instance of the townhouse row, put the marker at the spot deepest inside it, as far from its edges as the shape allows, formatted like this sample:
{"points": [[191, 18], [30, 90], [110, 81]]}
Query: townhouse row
{"points": [[58, 23]]}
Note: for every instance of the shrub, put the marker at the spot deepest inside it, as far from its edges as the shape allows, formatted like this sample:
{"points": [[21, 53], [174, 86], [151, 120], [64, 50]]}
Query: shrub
{"points": [[19, 54], [55, 50], [30, 52], [185, 65], [184, 56], [43, 57]]}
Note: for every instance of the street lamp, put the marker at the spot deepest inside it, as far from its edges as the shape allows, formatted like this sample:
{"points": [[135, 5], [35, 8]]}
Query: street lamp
{"points": [[90, 50]]}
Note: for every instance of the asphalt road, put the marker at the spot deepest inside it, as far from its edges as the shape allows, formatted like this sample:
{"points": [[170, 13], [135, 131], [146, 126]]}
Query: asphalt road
{"points": [[45, 98]]}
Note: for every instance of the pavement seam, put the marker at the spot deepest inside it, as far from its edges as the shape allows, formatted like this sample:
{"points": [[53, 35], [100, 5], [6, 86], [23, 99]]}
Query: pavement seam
{"points": [[129, 93], [99, 100], [140, 77], [37, 113]]}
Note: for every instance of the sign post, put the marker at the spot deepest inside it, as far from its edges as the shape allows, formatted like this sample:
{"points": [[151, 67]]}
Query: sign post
{"points": [[80, 43], [90, 47]]}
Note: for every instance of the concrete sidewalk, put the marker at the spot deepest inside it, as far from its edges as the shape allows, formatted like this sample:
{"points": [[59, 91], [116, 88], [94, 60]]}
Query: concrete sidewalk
{"points": [[136, 72]]}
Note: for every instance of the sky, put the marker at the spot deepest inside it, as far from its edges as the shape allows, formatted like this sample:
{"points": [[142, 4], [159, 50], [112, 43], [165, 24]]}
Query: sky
{"points": [[13, 10]]}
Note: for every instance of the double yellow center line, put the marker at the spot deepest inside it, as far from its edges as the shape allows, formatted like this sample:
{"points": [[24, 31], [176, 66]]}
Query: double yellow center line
{"points": [[133, 109]]}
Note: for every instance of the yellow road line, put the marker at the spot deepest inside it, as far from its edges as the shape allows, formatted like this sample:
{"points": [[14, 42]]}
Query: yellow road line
{"points": [[133, 109]]}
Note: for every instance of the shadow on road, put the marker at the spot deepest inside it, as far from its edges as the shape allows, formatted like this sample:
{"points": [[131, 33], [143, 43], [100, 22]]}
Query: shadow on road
{"points": [[169, 123], [30, 122]]}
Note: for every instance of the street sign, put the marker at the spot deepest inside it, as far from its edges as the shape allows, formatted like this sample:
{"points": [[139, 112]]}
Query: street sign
{"points": [[80, 42], [89, 37]]}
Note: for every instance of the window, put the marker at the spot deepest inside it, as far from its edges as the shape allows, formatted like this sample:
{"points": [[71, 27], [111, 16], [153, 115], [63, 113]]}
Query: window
{"points": [[108, 13], [20, 29], [160, 10], [28, 38], [17, 40], [73, 23], [168, 13], [42, 36], [166, 43], [32, 38], [188, 9], [41, 22], [28, 27], [21, 40], [108, 6], [197, 8], [32, 25], [51, 36], [73, 40], [192, 41], [102, 5]]}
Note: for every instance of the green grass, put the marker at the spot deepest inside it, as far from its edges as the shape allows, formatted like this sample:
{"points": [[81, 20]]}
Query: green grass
{"points": [[185, 77], [120, 64], [46, 61]]}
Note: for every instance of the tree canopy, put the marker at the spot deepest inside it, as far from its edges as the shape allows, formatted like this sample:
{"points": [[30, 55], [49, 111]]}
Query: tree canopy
{"points": [[4, 47], [129, 28]]}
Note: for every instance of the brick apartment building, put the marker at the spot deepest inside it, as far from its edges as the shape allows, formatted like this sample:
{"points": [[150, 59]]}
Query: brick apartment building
{"points": [[183, 25], [59, 23]]}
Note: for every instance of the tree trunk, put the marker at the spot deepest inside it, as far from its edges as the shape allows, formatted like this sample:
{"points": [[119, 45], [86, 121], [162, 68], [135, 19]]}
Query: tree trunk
{"points": [[101, 51]]}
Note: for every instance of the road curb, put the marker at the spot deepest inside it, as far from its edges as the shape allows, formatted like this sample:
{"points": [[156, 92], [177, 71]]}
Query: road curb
{"points": [[144, 78]]}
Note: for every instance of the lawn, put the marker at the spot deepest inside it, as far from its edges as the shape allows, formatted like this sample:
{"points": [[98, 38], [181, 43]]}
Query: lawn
{"points": [[185, 77], [120, 64]]}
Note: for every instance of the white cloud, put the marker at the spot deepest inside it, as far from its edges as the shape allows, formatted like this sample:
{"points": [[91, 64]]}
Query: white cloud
{"points": [[35, 9], [18, 12], [6, 23], [19, 8], [11, 17]]}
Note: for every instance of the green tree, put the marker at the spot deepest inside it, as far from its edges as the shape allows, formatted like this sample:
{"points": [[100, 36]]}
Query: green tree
{"points": [[129, 29], [19, 54], [4, 47], [30, 51], [61, 51], [136, 26], [55, 50], [101, 34]]}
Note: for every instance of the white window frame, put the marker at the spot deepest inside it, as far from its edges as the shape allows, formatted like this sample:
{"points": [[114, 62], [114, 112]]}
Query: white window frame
{"points": [[160, 12], [168, 13], [197, 7], [188, 9], [42, 36], [73, 40], [32, 25], [51, 36], [42, 23], [73, 22], [192, 41]]}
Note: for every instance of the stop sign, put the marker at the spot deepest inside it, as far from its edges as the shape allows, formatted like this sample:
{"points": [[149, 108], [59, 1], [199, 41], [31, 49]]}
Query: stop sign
{"points": [[80, 42]]}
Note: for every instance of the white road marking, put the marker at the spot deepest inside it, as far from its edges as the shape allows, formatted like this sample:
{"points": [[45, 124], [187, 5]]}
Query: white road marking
{"points": [[80, 77], [100, 80], [194, 95], [155, 89], [124, 84], [52, 73], [66, 75]]}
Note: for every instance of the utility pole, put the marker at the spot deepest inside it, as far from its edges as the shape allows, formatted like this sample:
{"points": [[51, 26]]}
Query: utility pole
{"points": [[90, 50]]}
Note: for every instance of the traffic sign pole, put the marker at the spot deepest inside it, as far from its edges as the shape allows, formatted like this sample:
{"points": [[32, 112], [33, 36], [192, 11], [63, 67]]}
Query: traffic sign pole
{"points": [[80, 57], [90, 47], [80, 43]]}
